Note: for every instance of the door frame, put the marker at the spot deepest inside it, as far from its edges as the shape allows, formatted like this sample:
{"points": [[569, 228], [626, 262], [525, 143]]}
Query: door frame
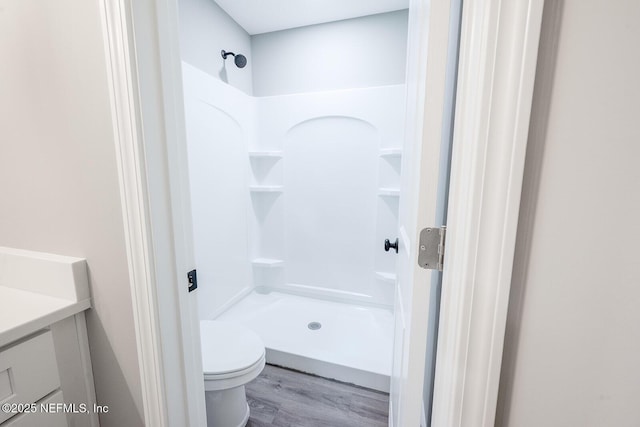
{"points": [[142, 50], [498, 56], [498, 53]]}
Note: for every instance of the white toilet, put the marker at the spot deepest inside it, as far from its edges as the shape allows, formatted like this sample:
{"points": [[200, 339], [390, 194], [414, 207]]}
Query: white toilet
{"points": [[232, 355]]}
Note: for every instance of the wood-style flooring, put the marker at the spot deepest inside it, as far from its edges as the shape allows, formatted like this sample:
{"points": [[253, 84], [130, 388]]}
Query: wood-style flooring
{"points": [[284, 398]]}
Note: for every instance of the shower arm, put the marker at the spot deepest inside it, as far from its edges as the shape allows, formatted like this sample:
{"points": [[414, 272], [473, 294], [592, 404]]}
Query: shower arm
{"points": [[225, 54]]}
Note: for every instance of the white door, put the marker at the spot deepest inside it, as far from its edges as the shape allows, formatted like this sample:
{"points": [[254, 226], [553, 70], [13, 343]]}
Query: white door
{"points": [[432, 59]]}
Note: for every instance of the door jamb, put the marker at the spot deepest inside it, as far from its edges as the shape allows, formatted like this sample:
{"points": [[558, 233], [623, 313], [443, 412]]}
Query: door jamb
{"points": [[498, 55], [143, 72], [492, 119]]}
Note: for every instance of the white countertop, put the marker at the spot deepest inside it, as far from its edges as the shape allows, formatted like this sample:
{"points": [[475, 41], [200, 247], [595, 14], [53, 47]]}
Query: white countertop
{"points": [[24, 312], [38, 289]]}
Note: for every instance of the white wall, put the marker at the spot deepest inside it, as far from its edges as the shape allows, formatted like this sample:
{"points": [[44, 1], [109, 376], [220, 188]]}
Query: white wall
{"points": [[206, 29], [218, 120], [572, 350], [59, 187], [360, 52]]}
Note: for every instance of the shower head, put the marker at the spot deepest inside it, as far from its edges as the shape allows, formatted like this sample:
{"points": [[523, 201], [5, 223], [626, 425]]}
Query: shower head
{"points": [[239, 60]]}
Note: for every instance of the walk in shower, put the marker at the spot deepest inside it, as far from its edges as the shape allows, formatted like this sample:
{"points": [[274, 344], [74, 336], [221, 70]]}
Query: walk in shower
{"points": [[293, 196]]}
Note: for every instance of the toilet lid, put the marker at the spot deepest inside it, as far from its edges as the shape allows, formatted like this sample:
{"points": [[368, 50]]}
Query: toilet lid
{"points": [[227, 347]]}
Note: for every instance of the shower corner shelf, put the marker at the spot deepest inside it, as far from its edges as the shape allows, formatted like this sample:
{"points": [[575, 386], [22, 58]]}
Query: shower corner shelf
{"points": [[391, 152], [386, 277], [267, 262], [258, 154], [389, 192], [266, 188]]}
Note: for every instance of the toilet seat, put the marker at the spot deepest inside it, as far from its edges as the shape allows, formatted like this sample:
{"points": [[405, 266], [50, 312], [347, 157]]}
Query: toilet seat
{"points": [[232, 355]]}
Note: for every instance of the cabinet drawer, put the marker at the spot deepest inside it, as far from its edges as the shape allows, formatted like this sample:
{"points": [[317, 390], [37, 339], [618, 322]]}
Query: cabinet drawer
{"points": [[40, 418], [28, 371]]}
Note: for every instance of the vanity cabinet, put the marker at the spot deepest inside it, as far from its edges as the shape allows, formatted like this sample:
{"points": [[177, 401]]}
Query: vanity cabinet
{"points": [[46, 378], [28, 372], [49, 367]]}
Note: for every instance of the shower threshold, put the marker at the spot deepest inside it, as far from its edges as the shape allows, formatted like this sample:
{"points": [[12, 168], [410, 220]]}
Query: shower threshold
{"points": [[346, 342]]}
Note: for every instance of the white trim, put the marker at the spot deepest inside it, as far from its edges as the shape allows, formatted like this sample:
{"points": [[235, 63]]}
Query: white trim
{"points": [[145, 83], [498, 53], [177, 175], [132, 178], [85, 359]]}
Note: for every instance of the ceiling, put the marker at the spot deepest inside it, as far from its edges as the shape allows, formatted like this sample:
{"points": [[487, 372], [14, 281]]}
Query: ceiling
{"points": [[263, 16]]}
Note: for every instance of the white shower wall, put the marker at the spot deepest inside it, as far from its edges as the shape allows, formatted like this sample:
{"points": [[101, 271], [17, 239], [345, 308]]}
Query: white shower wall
{"points": [[293, 192], [330, 227], [218, 119]]}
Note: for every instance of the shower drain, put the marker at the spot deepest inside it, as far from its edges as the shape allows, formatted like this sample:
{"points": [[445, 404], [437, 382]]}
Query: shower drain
{"points": [[314, 326]]}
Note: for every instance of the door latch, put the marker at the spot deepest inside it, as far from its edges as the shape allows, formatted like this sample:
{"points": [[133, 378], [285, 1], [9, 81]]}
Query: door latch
{"points": [[193, 280]]}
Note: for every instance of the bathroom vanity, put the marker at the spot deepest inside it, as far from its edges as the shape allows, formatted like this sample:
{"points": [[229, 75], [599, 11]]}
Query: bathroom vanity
{"points": [[45, 368]]}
